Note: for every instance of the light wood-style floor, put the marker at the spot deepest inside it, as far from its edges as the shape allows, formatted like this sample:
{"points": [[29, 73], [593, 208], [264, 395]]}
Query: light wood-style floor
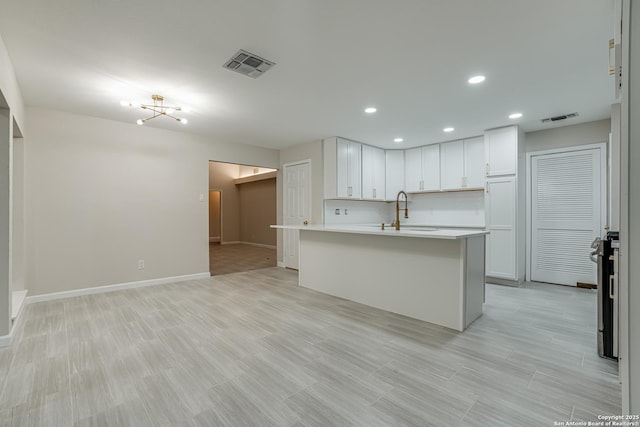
{"points": [[254, 349], [238, 257]]}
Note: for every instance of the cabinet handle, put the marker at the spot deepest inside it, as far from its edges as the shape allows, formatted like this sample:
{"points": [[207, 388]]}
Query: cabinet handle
{"points": [[486, 187], [612, 282], [349, 191], [612, 69], [486, 169], [374, 193]]}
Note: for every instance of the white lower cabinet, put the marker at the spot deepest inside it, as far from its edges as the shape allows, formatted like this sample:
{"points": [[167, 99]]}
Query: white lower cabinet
{"points": [[500, 215]]}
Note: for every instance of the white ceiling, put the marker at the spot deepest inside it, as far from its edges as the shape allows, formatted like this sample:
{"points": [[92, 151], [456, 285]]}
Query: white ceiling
{"points": [[409, 58]]}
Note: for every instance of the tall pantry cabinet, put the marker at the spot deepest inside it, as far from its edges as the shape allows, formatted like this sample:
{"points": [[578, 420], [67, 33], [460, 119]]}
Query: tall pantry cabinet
{"points": [[505, 205]]}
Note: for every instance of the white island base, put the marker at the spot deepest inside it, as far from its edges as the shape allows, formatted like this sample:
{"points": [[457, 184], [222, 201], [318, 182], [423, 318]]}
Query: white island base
{"points": [[438, 280]]}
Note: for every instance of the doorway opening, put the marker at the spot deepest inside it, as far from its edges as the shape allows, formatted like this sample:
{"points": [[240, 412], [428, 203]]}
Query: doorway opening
{"points": [[242, 206]]}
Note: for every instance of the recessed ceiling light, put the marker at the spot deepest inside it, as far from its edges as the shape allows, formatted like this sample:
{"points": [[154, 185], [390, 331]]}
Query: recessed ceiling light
{"points": [[398, 140], [370, 110], [448, 129], [476, 79], [515, 115]]}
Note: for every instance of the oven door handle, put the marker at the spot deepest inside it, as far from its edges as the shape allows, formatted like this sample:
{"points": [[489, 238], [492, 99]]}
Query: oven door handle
{"points": [[593, 255]]}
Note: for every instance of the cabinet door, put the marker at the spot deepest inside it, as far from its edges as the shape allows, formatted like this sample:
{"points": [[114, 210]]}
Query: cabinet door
{"points": [[501, 149], [379, 170], [373, 173], [342, 168], [354, 177], [500, 211], [431, 167], [394, 173], [413, 169], [452, 165], [474, 164]]}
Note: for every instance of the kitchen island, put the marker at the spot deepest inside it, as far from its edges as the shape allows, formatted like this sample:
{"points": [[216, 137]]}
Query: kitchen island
{"points": [[435, 275]]}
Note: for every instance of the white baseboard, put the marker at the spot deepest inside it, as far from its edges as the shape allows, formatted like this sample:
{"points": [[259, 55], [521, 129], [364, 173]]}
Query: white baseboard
{"points": [[117, 287], [17, 302], [6, 340], [214, 239], [233, 242], [281, 264]]}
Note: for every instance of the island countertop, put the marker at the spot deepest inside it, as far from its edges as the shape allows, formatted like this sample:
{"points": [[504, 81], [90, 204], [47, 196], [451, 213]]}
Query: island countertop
{"points": [[405, 231]]}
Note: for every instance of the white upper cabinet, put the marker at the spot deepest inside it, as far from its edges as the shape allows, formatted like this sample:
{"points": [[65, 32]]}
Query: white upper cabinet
{"points": [[462, 164], [373, 173], [452, 165], [342, 169], [413, 169], [474, 164], [501, 151], [431, 167], [394, 173], [422, 168]]}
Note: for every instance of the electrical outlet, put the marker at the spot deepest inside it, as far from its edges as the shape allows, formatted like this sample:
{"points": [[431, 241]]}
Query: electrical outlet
{"points": [[346, 211], [337, 211], [140, 264]]}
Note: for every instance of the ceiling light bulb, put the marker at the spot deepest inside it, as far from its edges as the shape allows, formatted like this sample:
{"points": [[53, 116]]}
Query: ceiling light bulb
{"points": [[476, 79], [124, 103], [370, 110], [449, 129], [185, 109], [134, 104], [515, 115], [140, 121], [398, 140], [170, 111], [184, 121]]}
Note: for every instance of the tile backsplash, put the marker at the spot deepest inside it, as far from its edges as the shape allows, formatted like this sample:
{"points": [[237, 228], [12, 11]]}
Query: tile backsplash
{"points": [[451, 209]]}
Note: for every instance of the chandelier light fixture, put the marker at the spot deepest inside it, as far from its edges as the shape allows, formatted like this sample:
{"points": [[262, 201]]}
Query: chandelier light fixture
{"points": [[157, 108]]}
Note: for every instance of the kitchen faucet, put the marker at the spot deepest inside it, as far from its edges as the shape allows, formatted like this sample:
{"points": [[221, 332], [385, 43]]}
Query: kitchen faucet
{"points": [[406, 209]]}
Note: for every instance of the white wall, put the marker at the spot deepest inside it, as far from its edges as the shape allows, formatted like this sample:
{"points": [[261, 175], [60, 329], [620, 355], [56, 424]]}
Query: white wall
{"points": [[5, 220], [100, 195], [568, 136], [9, 87], [12, 98], [634, 211], [17, 237]]}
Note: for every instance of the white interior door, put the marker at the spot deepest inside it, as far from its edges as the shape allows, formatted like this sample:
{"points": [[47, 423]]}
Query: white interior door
{"points": [[297, 208], [566, 215]]}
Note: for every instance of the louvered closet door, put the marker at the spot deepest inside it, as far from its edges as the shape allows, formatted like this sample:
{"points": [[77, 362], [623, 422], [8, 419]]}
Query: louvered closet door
{"points": [[565, 216]]}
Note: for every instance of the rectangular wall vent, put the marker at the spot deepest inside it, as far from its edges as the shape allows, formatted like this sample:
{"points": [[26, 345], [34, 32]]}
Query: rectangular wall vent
{"points": [[557, 118], [249, 64]]}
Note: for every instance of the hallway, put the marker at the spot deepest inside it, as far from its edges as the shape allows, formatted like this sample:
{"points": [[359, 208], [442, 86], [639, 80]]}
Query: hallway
{"points": [[235, 258]]}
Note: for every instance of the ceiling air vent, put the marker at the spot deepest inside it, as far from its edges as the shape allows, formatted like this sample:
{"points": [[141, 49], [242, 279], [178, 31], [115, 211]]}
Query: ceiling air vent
{"points": [[558, 118], [248, 64]]}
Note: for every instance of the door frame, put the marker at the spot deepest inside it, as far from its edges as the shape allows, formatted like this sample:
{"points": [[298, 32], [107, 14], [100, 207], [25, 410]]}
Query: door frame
{"points": [[604, 193], [284, 200], [220, 213]]}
